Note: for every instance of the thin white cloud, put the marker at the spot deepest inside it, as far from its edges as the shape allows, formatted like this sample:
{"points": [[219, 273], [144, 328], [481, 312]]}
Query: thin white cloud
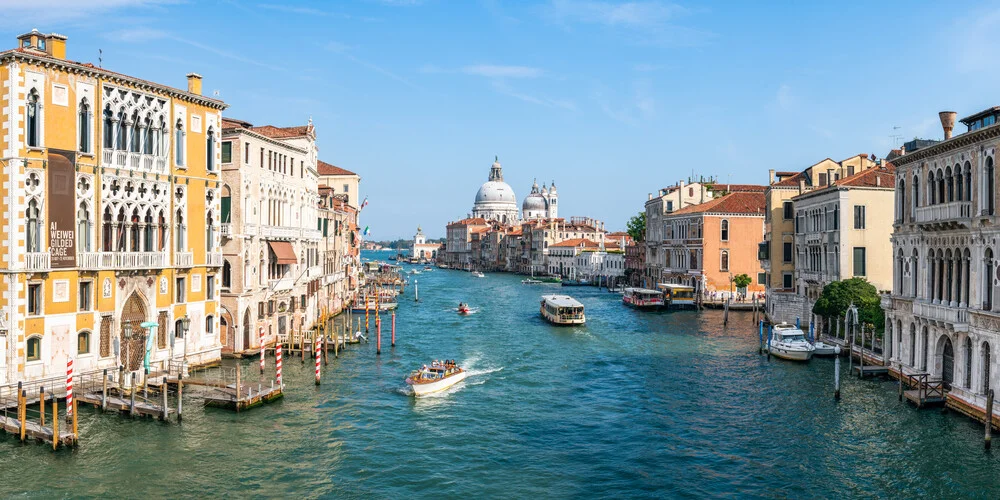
{"points": [[310, 11], [56, 11], [505, 89], [145, 35], [346, 51], [496, 71]]}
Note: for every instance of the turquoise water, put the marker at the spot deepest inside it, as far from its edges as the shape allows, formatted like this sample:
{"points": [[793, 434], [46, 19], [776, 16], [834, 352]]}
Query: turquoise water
{"points": [[634, 404]]}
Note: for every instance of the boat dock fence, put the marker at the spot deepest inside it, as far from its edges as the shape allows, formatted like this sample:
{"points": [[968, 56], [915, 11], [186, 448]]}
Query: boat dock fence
{"points": [[32, 410]]}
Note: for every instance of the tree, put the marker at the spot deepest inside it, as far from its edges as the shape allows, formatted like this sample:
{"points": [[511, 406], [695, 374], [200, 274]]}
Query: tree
{"points": [[637, 227], [839, 295], [742, 281]]}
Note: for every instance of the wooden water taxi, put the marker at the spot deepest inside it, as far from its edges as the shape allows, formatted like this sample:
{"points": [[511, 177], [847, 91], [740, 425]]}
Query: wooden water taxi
{"points": [[562, 310], [643, 298], [435, 378]]}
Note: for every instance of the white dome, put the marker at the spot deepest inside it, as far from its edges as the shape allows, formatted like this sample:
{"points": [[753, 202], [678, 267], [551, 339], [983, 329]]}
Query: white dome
{"points": [[533, 201], [494, 192]]}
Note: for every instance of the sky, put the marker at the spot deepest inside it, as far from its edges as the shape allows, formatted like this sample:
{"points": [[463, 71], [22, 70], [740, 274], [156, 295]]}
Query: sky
{"points": [[611, 100]]}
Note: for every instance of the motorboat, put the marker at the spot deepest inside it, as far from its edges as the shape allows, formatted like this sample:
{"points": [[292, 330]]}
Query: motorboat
{"points": [[562, 310], [789, 342], [479, 274], [643, 298], [437, 377], [463, 308], [530, 281], [824, 349], [579, 282], [548, 279]]}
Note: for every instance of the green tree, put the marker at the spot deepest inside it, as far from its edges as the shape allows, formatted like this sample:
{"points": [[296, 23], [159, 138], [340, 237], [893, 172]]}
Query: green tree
{"points": [[742, 281], [637, 227], [839, 295]]}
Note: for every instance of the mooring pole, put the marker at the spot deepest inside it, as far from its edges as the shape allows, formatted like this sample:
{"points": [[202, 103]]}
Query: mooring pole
{"points": [[989, 418], [316, 345], [836, 374], [55, 423], [104, 391], [163, 397], [41, 407], [180, 392], [760, 337], [393, 328]]}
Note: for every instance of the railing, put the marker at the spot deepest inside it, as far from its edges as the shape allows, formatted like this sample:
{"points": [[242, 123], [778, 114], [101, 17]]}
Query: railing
{"points": [[944, 212], [311, 234], [280, 285], [135, 161], [813, 238], [183, 259], [214, 259], [279, 232], [37, 261], [227, 230], [941, 312], [314, 272], [121, 260]]}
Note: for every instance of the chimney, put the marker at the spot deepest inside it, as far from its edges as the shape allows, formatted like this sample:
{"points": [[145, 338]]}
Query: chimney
{"points": [[878, 180], [947, 122], [829, 176], [802, 185], [770, 176], [194, 83], [650, 197], [55, 46]]}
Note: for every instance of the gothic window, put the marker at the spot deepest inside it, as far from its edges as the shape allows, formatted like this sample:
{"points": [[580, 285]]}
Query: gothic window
{"points": [[136, 134], [147, 232], [121, 229], [210, 150], [83, 225], [33, 112], [109, 128], [986, 367], [179, 143], [990, 187], [147, 136], [209, 233], [227, 275], [84, 121], [134, 231], [209, 325], [988, 280], [968, 363], [162, 139], [179, 236], [106, 230], [122, 126], [34, 228], [161, 226]]}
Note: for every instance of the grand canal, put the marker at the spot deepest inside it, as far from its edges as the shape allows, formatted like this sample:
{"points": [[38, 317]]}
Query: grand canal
{"points": [[633, 404]]}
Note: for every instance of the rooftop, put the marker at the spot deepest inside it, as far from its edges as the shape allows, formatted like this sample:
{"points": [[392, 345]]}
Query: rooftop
{"points": [[283, 132], [732, 203], [325, 168]]}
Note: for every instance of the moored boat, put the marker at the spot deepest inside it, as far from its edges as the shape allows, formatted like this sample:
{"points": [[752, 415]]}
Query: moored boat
{"points": [[789, 342], [580, 282], [479, 274], [824, 349], [562, 310], [530, 281], [677, 296], [642, 298], [548, 279], [437, 377]]}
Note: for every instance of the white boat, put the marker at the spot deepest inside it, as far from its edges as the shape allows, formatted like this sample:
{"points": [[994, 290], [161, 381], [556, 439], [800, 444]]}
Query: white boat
{"points": [[562, 310], [824, 349], [437, 377], [479, 274], [643, 298], [530, 281], [789, 342]]}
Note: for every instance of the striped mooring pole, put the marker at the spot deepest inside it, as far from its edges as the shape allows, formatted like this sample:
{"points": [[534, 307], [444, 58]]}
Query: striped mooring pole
{"points": [[366, 312], [262, 349], [317, 358], [277, 365], [69, 390]]}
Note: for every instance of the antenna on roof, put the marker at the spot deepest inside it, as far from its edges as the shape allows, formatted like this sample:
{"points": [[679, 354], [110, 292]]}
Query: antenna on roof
{"points": [[896, 138], [216, 93]]}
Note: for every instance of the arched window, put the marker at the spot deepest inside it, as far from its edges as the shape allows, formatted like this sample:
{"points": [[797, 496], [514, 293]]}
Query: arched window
{"points": [[33, 117], [988, 280], [968, 181], [990, 187], [209, 233], [84, 126], [161, 225], [888, 339], [913, 343], [178, 329], [923, 349], [725, 230], [949, 185], [931, 193], [986, 367], [147, 135], [83, 225], [916, 191], [179, 143], [147, 232], [121, 128], [210, 150], [34, 348], [915, 275], [227, 274], [83, 342], [724, 261], [209, 325], [136, 138], [109, 128], [34, 227], [107, 230], [135, 231], [179, 236], [959, 187], [968, 363], [161, 138]]}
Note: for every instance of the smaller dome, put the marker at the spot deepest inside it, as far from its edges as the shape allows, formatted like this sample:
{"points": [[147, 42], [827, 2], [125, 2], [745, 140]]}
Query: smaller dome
{"points": [[533, 202]]}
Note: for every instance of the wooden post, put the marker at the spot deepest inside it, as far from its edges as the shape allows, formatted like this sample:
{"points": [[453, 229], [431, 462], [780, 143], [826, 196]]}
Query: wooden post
{"points": [[366, 312], [760, 338], [75, 433], [104, 391], [725, 315], [163, 394], [416, 292], [393, 328], [55, 423], [180, 393], [69, 388], [239, 387], [378, 333], [989, 418], [850, 346], [41, 407], [302, 344], [861, 363], [900, 378], [22, 398], [131, 409], [262, 352], [836, 375]]}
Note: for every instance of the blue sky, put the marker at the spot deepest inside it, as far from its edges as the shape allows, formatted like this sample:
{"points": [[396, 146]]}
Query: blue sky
{"points": [[612, 100]]}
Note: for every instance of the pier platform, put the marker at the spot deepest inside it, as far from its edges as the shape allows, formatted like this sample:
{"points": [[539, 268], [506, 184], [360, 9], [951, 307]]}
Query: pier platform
{"points": [[37, 432], [247, 397]]}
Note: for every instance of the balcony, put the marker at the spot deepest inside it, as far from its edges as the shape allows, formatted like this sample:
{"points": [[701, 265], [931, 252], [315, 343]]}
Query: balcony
{"points": [[94, 261], [314, 272], [945, 215], [226, 230], [311, 234], [37, 261], [279, 232], [814, 238], [813, 276], [141, 162], [282, 285], [213, 259], [183, 259], [943, 315]]}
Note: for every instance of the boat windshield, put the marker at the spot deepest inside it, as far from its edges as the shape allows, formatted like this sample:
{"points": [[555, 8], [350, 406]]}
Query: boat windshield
{"points": [[793, 338]]}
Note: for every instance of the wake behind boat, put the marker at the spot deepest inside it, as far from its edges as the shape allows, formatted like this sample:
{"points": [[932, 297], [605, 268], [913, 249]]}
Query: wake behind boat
{"points": [[435, 378]]}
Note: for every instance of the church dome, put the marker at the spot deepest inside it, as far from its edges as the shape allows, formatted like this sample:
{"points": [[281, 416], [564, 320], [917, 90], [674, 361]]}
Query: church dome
{"points": [[495, 199], [496, 191], [533, 201]]}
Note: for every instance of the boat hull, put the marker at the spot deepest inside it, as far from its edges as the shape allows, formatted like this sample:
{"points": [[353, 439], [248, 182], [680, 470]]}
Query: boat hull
{"points": [[823, 349], [790, 354], [424, 389]]}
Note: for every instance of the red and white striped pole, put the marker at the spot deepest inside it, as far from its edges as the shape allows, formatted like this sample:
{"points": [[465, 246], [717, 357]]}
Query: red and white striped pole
{"points": [[277, 365], [317, 359], [69, 390], [262, 349]]}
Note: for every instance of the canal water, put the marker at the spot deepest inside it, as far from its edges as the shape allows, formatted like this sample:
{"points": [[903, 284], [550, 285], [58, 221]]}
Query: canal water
{"points": [[634, 404]]}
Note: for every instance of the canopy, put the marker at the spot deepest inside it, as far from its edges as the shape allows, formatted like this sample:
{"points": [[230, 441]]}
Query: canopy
{"points": [[283, 251]]}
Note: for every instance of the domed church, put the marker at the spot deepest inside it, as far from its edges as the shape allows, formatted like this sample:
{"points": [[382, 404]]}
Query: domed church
{"points": [[541, 203], [495, 199]]}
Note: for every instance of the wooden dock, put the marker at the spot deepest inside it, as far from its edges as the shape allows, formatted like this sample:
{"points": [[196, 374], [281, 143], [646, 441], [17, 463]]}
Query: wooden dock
{"points": [[37, 432], [871, 371], [230, 399], [123, 404]]}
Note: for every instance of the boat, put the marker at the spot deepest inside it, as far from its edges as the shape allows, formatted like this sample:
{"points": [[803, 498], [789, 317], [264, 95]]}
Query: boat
{"points": [[437, 377], [789, 342], [824, 349], [562, 310], [677, 296], [548, 279], [579, 282], [642, 298], [479, 274], [383, 305], [463, 308], [530, 281]]}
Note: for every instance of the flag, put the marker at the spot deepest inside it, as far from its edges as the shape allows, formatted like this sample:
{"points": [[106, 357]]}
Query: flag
{"points": [[365, 233], [363, 204]]}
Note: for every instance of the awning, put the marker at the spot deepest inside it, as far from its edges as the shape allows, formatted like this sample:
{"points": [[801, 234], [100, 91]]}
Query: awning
{"points": [[283, 251]]}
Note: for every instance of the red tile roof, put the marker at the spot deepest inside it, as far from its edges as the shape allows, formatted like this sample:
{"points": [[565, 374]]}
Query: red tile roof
{"points": [[794, 180], [734, 188], [574, 242], [230, 123], [325, 168], [732, 203], [472, 221], [282, 132]]}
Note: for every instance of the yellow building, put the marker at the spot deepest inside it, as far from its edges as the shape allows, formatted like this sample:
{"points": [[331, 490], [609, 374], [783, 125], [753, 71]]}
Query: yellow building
{"points": [[777, 252], [110, 203]]}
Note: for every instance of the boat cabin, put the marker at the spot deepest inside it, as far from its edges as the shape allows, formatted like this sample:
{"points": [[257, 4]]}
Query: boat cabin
{"points": [[643, 298], [562, 310], [675, 295]]}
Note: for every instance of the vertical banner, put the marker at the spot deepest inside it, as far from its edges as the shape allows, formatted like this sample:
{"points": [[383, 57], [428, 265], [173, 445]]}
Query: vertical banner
{"points": [[61, 203]]}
